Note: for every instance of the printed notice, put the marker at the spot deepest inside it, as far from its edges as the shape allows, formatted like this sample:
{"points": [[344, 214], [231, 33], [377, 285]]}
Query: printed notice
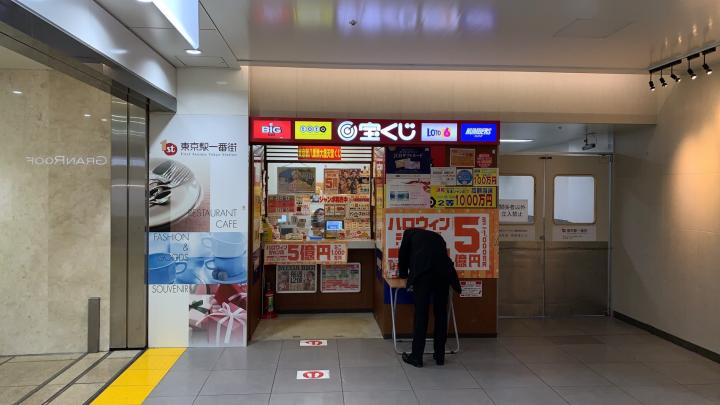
{"points": [[471, 288], [574, 233]]}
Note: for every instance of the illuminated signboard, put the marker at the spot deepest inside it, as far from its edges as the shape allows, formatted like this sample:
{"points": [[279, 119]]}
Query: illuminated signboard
{"points": [[272, 130], [367, 132], [306, 152], [313, 130]]}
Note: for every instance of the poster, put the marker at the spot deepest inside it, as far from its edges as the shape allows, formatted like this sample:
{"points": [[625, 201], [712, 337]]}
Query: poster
{"points": [[485, 176], [462, 157], [443, 176], [305, 253], [353, 181], [486, 157], [407, 195], [574, 233], [471, 237], [292, 180], [340, 278], [281, 204], [471, 288], [405, 160], [463, 197], [197, 262], [331, 181], [513, 211], [301, 278], [464, 177]]}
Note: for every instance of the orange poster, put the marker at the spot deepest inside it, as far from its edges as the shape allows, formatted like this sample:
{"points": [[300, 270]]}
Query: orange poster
{"points": [[471, 237]]}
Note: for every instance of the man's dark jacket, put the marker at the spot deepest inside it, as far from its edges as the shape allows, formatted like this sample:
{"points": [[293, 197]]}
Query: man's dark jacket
{"points": [[422, 253]]}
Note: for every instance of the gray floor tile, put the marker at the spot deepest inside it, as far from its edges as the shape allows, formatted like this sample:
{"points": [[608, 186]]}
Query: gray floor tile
{"points": [[695, 372], [324, 398], [8, 395], [119, 354], [541, 354], [567, 375], [439, 377], [286, 382], [374, 378], [198, 358], [77, 394], [3, 359], [295, 345], [43, 394], [239, 382], [493, 355], [309, 359], [104, 371], [629, 374], [574, 340], [29, 373], [252, 399], [239, 358], [505, 376], [663, 352], [369, 358], [707, 391], [512, 342], [265, 346], [181, 383], [380, 398], [541, 395], [641, 339], [454, 397], [186, 400], [596, 396], [671, 394], [600, 353], [45, 357]]}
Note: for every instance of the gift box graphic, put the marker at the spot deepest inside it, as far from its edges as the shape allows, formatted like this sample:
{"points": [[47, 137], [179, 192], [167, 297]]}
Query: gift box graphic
{"points": [[226, 325], [232, 294]]}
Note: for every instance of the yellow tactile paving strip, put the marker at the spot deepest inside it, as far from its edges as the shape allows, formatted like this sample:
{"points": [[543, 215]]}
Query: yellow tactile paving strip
{"points": [[138, 380]]}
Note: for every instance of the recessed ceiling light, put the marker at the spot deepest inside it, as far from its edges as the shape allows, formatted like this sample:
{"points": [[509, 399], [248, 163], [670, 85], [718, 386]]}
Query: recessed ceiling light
{"points": [[193, 51], [87, 115], [517, 140], [119, 51], [17, 92], [103, 119], [145, 1]]}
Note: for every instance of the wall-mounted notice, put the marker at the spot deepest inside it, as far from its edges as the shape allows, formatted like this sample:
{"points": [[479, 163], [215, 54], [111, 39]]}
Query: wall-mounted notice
{"points": [[517, 233], [471, 237], [340, 278], [463, 197], [462, 157], [513, 211], [405, 160], [574, 233], [281, 204], [471, 288], [305, 253], [443, 176], [300, 278], [485, 176], [295, 180], [331, 181], [408, 195], [464, 177]]}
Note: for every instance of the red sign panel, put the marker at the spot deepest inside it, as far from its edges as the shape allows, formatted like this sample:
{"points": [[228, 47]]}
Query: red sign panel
{"points": [[305, 253], [306, 152], [271, 130]]}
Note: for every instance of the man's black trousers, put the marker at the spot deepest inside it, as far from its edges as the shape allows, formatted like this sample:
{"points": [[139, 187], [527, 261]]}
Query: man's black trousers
{"points": [[427, 287]]}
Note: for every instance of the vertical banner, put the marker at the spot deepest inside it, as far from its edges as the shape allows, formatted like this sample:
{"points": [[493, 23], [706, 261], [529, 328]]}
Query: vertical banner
{"points": [[197, 269]]}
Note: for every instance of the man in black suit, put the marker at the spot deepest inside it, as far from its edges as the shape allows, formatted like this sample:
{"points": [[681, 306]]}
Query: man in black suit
{"points": [[424, 261]]}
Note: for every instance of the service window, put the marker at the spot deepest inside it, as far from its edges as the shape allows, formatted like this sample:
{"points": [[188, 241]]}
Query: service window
{"points": [[517, 199], [574, 200]]}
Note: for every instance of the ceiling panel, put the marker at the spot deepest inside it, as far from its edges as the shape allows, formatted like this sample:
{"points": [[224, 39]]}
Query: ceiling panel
{"points": [[168, 43], [135, 14]]}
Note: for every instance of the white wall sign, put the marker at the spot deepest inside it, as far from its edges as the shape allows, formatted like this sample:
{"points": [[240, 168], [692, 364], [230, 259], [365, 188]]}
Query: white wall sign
{"points": [[513, 211], [313, 374], [313, 343], [574, 233], [516, 233]]}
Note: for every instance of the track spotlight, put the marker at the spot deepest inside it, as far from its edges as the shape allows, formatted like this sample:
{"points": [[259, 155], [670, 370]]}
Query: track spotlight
{"points": [[662, 80], [674, 76], [708, 70], [651, 84]]}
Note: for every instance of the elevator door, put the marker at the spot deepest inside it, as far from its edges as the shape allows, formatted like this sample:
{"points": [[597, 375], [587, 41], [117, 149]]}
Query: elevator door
{"points": [[554, 235]]}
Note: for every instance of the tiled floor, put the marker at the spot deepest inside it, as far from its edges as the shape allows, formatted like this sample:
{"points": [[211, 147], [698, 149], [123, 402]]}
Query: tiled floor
{"points": [[321, 326], [35, 379], [575, 361]]}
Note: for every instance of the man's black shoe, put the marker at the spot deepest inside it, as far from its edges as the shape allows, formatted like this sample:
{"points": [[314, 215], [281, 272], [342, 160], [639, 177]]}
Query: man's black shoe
{"points": [[439, 360], [411, 361]]}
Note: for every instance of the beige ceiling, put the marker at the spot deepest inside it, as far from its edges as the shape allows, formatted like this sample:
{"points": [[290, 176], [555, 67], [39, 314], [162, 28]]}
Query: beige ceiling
{"points": [[556, 35]]}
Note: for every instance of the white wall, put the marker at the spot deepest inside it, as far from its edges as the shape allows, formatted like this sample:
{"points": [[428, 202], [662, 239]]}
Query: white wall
{"points": [[90, 24], [666, 260]]}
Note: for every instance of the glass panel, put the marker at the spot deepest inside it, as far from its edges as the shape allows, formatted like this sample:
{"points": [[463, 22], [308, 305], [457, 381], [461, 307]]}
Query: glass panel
{"points": [[574, 200], [519, 188]]}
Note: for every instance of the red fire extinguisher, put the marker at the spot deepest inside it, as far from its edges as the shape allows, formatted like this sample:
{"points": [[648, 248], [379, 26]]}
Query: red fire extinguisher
{"points": [[269, 310]]}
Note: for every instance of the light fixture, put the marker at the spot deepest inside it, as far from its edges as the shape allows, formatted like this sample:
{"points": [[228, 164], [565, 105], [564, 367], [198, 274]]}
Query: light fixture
{"points": [[691, 72], [674, 76], [662, 80], [708, 70], [193, 51], [516, 140], [86, 115], [18, 92], [651, 83], [103, 119]]}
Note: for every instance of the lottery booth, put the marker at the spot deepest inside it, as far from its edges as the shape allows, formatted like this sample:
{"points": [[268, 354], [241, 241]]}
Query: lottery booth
{"points": [[332, 197]]}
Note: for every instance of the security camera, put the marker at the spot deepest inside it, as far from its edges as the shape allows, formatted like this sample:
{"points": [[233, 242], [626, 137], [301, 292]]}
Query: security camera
{"points": [[588, 146], [353, 22]]}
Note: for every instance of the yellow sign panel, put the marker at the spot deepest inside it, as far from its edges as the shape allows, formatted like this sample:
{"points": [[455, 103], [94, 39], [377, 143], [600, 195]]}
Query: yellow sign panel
{"points": [[313, 130], [463, 197], [485, 176]]}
